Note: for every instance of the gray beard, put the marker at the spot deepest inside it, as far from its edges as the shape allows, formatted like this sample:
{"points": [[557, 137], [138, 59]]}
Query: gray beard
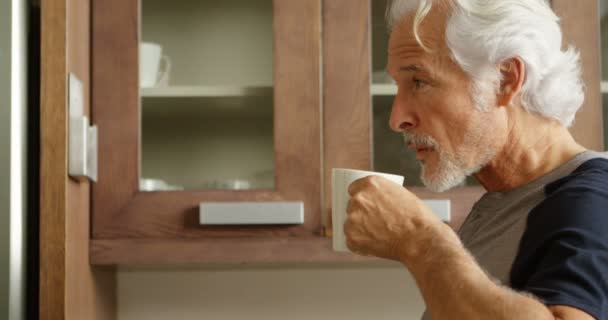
{"points": [[452, 170], [449, 174]]}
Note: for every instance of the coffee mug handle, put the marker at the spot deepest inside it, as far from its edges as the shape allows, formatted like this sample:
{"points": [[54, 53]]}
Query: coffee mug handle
{"points": [[163, 71]]}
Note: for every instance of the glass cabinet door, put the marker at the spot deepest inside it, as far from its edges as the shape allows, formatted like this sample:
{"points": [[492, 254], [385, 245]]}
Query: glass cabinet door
{"points": [[200, 102], [206, 79]]}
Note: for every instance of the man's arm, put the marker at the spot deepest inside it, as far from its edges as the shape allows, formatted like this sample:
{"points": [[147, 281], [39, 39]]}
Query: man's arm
{"points": [[455, 287], [388, 221]]}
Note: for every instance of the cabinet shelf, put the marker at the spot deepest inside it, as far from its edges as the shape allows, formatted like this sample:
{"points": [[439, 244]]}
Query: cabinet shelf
{"points": [[377, 89], [225, 100], [206, 91], [215, 101]]}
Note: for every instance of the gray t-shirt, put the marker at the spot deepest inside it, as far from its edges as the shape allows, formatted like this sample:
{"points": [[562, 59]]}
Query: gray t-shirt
{"points": [[493, 229]]}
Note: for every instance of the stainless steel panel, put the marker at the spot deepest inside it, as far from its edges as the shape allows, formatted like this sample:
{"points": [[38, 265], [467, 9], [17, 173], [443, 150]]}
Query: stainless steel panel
{"points": [[5, 164], [13, 125]]}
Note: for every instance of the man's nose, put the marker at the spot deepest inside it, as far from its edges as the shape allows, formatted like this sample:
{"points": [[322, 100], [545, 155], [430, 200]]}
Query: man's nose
{"points": [[402, 119]]}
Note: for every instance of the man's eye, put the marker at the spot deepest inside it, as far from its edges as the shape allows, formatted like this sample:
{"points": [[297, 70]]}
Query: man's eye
{"points": [[419, 83]]}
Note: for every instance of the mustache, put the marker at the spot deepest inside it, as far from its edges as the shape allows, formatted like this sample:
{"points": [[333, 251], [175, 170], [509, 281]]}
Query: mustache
{"points": [[420, 140]]}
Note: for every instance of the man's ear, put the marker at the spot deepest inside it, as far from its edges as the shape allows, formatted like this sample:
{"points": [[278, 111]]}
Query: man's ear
{"points": [[513, 74]]}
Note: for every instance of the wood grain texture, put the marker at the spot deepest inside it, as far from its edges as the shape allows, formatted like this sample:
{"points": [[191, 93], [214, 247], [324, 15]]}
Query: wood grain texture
{"points": [[115, 106], [207, 252], [90, 292], [70, 287], [121, 211], [297, 104], [580, 27], [53, 170], [347, 131], [78, 282]]}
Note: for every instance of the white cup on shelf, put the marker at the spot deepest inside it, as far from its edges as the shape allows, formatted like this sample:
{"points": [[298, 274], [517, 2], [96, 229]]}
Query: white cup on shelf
{"points": [[154, 67]]}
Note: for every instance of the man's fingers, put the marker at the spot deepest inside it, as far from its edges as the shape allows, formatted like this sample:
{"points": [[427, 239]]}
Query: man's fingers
{"points": [[351, 207], [350, 231], [358, 185]]}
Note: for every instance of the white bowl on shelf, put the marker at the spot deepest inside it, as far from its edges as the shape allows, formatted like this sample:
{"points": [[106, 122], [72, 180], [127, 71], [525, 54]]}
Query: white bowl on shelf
{"points": [[149, 184], [228, 184]]}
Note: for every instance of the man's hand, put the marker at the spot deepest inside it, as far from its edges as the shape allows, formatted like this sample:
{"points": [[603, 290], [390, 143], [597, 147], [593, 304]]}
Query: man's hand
{"points": [[388, 221]]}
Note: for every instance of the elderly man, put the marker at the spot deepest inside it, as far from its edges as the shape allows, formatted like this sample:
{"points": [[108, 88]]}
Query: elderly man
{"points": [[485, 90]]}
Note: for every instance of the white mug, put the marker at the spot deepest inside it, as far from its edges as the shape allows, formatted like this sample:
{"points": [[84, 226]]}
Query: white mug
{"points": [[340, 181], [150, 60]]}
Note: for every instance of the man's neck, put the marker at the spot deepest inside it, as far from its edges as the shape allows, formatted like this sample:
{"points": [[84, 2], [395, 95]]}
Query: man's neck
{"points": [[534, 148]]}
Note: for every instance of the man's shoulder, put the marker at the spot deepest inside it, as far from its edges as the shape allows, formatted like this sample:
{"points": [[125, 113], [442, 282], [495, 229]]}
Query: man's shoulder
{"points": [[563, 253], [580, 198], [591, 175]]}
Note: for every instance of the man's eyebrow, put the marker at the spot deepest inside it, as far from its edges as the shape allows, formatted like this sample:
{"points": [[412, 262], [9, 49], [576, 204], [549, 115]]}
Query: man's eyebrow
{"points": [[411, 68]]}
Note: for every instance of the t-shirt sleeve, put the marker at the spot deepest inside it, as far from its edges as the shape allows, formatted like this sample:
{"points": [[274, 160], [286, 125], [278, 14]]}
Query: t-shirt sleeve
{"points": [[563, 254]]}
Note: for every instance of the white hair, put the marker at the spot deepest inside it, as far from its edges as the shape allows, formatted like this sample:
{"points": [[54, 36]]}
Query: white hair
{"points": [[483, 33]]}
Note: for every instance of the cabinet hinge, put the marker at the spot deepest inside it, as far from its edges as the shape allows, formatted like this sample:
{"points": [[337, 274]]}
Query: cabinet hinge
{"points": [[82, 137]]}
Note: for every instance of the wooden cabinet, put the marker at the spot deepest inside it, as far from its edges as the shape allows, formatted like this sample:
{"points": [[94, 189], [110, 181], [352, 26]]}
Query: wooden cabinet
{"points": [[329, 108], [134, 227]]}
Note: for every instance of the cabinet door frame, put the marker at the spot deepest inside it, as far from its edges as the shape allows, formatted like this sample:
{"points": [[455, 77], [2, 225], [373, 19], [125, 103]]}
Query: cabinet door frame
{"points": [[120, 211]]}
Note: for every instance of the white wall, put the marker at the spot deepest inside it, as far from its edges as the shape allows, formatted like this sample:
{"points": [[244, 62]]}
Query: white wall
{"points": [[353, 293]]}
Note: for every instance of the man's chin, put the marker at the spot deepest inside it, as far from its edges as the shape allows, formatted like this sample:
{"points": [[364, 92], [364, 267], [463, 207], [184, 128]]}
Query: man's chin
{"points": [[436, 187], [442, 182]]}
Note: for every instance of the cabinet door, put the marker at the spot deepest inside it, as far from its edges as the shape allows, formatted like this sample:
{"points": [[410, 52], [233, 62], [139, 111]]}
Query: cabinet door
{"points": [[358, 96], [204, 101]]}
